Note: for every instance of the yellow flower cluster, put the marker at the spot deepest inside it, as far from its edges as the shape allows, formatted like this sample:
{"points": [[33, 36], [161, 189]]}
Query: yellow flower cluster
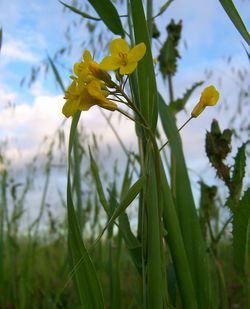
{"points": [[209, 97], [90, 84]]}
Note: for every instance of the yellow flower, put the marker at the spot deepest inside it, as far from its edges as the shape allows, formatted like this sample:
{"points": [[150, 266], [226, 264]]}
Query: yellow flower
{"points": [[209, 97], [89, 69], [84, 96], [122, 58]]}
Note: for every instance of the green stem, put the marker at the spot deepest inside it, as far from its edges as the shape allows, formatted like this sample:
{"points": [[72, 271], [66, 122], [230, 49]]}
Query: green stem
{"points": [[185, 123], [223, 229]]}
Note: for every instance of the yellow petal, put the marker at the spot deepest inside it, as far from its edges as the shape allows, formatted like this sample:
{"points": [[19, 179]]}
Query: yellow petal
{"points": [[109, 63], [80, 67], [70, 107], [86, 100], [87, 56], [118, 46], [137, 52], [94, 89], [209, 96], [108, 105], [128, 68]]}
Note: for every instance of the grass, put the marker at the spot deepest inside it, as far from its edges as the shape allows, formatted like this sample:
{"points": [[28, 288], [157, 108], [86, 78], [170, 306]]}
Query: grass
{"points": [[178, 256]]}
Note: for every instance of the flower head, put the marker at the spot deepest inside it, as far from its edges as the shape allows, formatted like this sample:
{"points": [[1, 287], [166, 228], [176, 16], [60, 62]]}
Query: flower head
{"points": [[209, 97], [84, 96], [88, 87], [122, 58]]}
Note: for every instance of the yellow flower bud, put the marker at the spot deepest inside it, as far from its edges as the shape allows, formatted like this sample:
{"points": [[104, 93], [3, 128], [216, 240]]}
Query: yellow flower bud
{"points": [[209, 97]]}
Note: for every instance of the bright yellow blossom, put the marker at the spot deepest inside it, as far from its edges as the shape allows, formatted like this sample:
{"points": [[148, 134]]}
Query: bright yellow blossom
{"points": [[209, 97], [84, 96], [122, 58], [89, 69]]}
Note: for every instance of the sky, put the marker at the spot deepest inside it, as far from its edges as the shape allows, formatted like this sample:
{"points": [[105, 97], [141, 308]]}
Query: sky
{"points": [[32, 30]]}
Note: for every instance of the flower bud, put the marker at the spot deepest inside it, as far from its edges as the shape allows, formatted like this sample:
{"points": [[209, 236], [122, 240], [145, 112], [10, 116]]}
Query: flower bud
{"points": [[209, 97]]}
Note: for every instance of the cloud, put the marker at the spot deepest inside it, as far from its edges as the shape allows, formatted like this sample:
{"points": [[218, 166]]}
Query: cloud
{"points": [[17, 50], [26, 125]]}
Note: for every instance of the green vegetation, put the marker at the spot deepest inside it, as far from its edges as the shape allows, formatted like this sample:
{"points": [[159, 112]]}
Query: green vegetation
{"points": [[170, 253]]}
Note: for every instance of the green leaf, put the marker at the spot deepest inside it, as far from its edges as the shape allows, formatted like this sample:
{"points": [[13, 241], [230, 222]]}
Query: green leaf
{"points": [[126, 201], [77, 11], [189, 222], [163, 8], [241, 233], [99, 187], [233, 14], [56, 73], [176, 244], [147, 98], [87, 283], [239, 169], [109, 15], [169, 52], [179, 104]]}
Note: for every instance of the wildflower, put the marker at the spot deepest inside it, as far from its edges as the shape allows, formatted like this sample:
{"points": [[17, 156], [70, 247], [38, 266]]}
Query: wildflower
{"points": [[90, 70], [82, 97], [209, 97], [122, 58]]}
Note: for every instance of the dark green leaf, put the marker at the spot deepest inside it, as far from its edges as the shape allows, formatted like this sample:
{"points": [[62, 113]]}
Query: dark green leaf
{"points": [[109, 15], [233, 14], [147, 98]]}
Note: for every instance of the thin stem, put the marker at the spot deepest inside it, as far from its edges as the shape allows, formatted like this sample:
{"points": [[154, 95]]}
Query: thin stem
{"points": [[223, 229], [210, 231], [185, 123], [123, 86]]}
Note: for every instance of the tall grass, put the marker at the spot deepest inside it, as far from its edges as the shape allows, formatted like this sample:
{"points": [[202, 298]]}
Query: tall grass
{"points": [[179, 255]]}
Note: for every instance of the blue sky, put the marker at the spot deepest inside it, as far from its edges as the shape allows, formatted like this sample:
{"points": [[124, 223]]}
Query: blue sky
{"points": [[34, 29]]}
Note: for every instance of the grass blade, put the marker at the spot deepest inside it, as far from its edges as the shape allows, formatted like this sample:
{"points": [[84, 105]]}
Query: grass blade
{"points": [[191, 231], [175, 239], [145, 71], [127, 200], [87, 283], [79, 12], [109, 15], [56, 73], [233, 14]]}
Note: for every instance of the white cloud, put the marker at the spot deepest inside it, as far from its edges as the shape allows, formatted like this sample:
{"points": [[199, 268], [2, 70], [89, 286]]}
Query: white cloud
{"points": [[6, 96], [26, 125], [17, 50]]}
